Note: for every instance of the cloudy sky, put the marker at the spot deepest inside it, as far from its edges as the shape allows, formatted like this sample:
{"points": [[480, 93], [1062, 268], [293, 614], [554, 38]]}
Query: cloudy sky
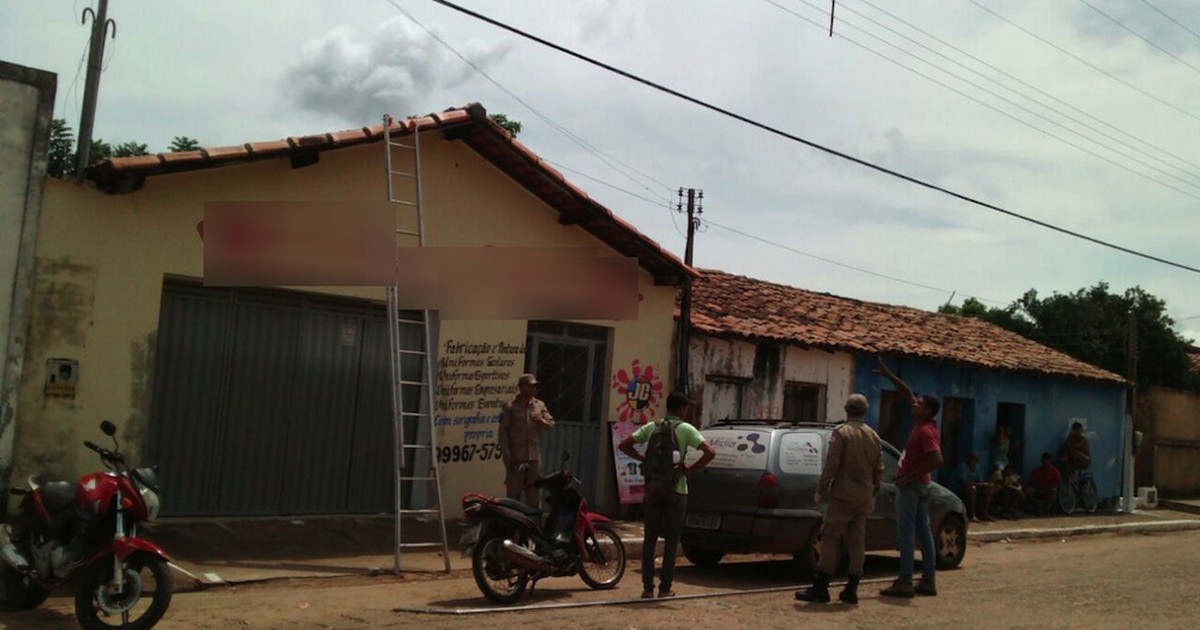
{"points": [[1080, 113]]}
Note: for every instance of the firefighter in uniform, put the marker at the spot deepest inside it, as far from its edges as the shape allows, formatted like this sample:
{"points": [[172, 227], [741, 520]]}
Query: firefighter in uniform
{"points": [[521, 423], [850, 480]]}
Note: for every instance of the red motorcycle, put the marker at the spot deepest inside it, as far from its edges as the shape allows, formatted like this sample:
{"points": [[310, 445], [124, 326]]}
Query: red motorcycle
{"points": [[513, 545], [86, 534]]}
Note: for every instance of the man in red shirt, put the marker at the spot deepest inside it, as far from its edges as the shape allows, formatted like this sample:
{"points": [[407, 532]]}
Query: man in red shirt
{"points": [[1044, 482], [922, 455]]}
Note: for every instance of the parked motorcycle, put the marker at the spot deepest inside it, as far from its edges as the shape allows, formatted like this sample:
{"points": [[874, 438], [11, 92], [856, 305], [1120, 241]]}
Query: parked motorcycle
{"points": [[86, 535], [513, 545]]}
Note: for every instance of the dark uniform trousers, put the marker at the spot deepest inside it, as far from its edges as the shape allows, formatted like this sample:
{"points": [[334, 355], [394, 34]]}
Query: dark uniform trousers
{"points": [[845, 527]]}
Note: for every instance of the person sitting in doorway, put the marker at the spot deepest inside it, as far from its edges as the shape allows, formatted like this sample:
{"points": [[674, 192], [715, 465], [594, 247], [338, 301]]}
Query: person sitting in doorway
{"points": [[1044, 482], [1007, 490], [971, 487]]}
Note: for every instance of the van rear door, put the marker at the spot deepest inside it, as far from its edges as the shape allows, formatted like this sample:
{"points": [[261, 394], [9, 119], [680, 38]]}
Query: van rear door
{"points": [[725, 492]]}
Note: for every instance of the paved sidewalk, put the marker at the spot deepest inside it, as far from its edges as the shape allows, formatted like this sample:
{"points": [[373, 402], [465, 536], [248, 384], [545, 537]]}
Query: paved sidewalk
{"points": [[246, 551]]}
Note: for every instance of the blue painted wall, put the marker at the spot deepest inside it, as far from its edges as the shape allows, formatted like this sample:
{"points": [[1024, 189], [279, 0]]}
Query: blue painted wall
{"points": [[1049, 404]]}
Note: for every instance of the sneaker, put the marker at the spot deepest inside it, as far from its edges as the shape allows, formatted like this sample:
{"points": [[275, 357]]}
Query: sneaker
{"points": [[926, 587], [898, 589], [648, 593], [665, 593]]}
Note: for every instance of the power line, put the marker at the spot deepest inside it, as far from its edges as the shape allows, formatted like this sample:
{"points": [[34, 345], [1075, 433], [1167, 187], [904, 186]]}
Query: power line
{"points": [[1000, 111], [1023, 83], [657, 202], [834, 262], [1140, 36], [584, 144], [767, 241], [1084, 62], [798, 139], [1177, 22]]}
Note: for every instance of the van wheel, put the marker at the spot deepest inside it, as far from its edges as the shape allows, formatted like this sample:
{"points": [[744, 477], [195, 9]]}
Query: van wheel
{"points": [[702, 557], [950, 539]]}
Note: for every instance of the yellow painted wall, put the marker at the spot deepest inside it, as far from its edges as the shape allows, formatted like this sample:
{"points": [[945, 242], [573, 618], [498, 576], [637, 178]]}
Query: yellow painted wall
{"points": [[101, 260]]}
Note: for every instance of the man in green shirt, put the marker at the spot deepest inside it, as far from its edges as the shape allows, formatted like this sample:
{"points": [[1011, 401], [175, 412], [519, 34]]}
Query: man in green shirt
{"points": [[664, 511]]}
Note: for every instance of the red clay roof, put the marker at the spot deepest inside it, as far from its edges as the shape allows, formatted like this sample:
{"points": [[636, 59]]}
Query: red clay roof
{"points": [[727, 305], [469, 124]]}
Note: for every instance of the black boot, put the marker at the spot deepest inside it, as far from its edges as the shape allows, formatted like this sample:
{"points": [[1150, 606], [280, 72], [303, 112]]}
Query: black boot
{"points": [[818, 592], [849, 594]]}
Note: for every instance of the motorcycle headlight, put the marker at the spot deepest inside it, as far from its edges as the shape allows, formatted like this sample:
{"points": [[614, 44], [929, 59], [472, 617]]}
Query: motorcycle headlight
{"points": [[150, 498], [146, 480]]}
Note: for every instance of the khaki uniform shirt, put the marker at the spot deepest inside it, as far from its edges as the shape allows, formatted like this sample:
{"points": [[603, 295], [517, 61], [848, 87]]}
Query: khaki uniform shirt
{"points": [[853, 465], [519, 430]]}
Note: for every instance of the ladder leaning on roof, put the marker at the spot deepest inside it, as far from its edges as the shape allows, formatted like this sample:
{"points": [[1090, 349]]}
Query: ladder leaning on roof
{"points": [[412, 368]]}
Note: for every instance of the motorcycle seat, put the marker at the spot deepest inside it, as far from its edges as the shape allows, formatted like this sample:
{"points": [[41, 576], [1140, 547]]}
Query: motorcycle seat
{"points": [[518, 506], [58, 495]]}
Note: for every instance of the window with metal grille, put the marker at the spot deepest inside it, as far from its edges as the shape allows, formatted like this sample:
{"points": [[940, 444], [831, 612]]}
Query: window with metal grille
{"points": [[803, 402]]}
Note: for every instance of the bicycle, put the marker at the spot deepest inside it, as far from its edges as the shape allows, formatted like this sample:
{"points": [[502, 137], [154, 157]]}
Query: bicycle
{"points": [[1079, 487]]}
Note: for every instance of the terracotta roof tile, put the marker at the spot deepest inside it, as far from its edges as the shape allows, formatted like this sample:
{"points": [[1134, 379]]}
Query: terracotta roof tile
{"points": [[271, 147], [224, 153], [482, 134], [352, 136], [316, 140], [146, 161], [182, 156], [736, 306]]}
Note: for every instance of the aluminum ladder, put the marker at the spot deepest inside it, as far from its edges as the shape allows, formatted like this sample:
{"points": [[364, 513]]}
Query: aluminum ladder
{"points": [[412, 367]]}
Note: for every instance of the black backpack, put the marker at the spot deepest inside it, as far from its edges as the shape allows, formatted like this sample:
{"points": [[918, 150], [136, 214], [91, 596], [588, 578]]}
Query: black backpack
{"points": [[659, 470]]}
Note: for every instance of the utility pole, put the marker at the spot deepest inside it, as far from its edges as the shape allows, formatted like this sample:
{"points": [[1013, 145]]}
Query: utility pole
{"points": [[1127, 483], [87, 116], [695, 207]]}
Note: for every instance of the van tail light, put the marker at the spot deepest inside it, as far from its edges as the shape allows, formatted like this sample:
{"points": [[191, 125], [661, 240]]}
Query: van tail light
{"points": [[768, 491]]}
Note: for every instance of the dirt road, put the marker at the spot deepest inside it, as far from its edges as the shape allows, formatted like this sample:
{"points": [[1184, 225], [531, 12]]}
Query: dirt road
{"points": [[1105, 581]]}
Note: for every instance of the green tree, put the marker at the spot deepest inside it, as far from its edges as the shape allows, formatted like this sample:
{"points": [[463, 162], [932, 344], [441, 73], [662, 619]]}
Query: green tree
{"points": [[61, 161], [62, 148], [101, 151], [130, 149], [511, 124], [1092, 325], [183, 143]]}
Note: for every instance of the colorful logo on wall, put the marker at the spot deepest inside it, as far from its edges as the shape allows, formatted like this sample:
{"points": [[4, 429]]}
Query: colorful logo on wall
{"points": [[642, 390]]}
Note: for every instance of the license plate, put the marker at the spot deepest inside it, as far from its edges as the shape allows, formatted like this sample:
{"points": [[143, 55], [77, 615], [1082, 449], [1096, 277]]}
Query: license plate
{"points": [[469, 538], [699, 520]]}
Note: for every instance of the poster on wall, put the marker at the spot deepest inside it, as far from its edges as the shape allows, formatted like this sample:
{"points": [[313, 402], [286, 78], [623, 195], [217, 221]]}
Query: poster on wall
{"points": [[640, 391], [478, 366]]}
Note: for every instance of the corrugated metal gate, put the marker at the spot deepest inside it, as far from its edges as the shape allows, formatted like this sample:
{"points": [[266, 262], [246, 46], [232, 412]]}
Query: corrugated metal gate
{"points": [[271, 403], [570, 360]]}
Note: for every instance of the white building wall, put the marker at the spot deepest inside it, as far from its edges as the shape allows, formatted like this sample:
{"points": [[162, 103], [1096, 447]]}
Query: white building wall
{"points": [[27, 102], [737, 378]]}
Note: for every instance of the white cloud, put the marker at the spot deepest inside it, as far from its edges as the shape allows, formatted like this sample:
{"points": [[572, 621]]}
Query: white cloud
{"points": [[398, 68]]}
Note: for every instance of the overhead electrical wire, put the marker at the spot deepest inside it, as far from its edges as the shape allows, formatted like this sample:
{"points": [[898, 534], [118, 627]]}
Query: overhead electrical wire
{"points": [[1026, 84], [1177, 22], [1087, 63], [773, 130], [832, 261], [1026, 123], [584, 144], [1140, 36], [770, 242]]}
